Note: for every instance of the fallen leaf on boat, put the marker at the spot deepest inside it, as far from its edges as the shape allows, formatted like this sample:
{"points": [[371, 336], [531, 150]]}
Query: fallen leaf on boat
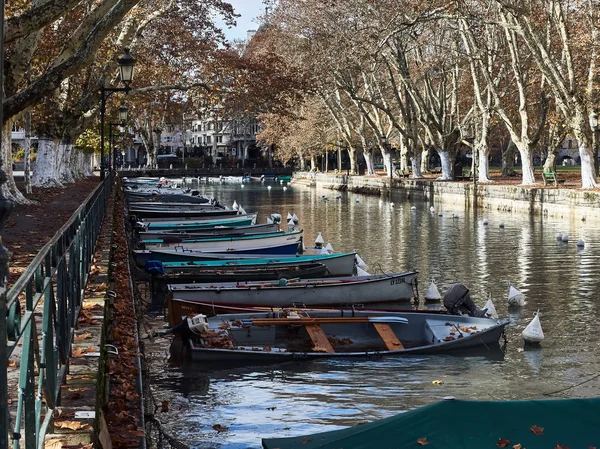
{"points": [[449, 338], [306, 440], [54, 443], [560, 446], [437, 382], [502, 442], [83, 336], [12, 364], [73, 425], [422, 441], [517, 446], [219, 428], [78, 352], [537, 430]]}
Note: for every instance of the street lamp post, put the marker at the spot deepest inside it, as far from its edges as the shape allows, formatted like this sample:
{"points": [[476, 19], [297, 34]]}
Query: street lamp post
{"points": [[595, 128], [126, 66], [122, 122]]}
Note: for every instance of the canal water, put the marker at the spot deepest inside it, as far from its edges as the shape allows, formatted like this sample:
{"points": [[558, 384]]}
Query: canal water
{"points": [[559, 279]]}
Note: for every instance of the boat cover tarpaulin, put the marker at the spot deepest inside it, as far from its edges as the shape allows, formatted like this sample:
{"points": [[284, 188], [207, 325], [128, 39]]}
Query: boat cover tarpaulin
{"points": [[458, 424]]}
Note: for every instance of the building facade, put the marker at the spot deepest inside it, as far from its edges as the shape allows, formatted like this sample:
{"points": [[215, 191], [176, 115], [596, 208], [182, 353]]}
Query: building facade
{"points": [[223, 141]]}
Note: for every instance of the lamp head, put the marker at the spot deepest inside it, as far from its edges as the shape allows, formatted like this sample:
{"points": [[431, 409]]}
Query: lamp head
{"points": [[126, 66], [122, 114]]}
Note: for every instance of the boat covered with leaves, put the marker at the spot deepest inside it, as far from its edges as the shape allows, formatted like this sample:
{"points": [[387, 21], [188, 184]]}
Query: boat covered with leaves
{"points": [[279, 336]]}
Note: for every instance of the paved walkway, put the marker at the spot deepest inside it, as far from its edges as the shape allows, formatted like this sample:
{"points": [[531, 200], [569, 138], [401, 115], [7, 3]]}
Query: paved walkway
{"points": [[75, 420]]}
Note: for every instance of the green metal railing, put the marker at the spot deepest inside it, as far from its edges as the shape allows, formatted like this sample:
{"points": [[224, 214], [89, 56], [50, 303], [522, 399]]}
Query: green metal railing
{"points": [[37, 318]]}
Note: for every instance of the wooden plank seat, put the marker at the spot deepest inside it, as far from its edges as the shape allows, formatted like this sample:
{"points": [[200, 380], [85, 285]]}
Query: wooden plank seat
{"points": [[388, 336], [552, 177], [320, 341]]}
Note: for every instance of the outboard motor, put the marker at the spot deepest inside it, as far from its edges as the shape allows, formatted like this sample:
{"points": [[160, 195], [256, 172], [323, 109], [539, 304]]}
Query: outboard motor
{"points": [[458, 302], [190, 326]]}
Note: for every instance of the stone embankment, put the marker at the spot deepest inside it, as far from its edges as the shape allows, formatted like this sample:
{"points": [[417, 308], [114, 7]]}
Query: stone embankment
{"points": [[571, 203]]}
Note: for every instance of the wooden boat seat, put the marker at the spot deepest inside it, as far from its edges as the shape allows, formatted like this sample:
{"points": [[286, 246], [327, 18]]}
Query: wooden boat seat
{"points": [[318, 337], [391, 341]]}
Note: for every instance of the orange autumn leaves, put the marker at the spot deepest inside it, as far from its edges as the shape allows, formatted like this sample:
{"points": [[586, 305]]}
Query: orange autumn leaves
{"points": [[505, 442]]}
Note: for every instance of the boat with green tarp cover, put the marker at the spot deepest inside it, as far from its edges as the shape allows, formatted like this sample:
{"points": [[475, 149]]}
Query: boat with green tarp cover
{"points": [[459, 424]]}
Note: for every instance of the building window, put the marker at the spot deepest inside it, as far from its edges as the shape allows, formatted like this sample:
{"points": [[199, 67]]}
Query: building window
{"points": [[208, 140], [219, 139]]}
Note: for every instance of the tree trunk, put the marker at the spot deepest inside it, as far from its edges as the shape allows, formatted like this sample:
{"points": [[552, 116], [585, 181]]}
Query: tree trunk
{"points": [[586, 153], [526, 153], [404, 159], [446, 165], [550, 162], [387, 161], [353, 156], [416, 163], [370, 168], [483, 171], [65, 167], [9, 188], [508, 160], [425, 160], [46, 173]]}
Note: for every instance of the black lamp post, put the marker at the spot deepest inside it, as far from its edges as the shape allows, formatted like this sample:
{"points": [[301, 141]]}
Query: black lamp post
{"points": [[126, 66], [122, 122], [595, 128]]}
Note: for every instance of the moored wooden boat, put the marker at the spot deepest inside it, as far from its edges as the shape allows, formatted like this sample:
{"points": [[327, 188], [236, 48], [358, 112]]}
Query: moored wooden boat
{"points": [[181, 214], [276, 336], [343, 264], [453, 423], [222, 231], [160, 282], [237, 220], [232, 242], [376, 289]]}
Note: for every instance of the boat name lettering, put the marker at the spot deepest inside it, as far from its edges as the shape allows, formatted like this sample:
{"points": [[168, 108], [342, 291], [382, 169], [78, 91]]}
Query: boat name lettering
{"points": [[397, 281]]}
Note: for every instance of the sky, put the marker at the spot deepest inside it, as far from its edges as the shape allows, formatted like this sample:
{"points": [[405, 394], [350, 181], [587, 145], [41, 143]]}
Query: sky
{"points": [[249, 10]]}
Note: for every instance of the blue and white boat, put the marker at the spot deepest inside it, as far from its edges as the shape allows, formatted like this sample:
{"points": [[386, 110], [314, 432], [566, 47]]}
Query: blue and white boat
{"points": [[234, 242]]}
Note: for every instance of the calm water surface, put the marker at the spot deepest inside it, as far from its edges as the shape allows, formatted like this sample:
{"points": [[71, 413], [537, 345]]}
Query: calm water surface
{"points": [[558, 279]]}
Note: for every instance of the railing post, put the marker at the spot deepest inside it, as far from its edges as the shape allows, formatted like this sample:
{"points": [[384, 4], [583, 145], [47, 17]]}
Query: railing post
{"points": [[5, 210]]}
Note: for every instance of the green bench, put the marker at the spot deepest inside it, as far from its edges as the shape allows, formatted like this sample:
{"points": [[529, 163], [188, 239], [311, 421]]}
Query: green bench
{"points": [[466, 174], [552, 177]]}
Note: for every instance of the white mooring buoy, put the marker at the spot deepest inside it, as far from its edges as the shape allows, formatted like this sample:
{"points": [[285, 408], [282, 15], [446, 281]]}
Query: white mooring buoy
{"points": [[485, 221], [319, 241], [533, 332], [360, 262], [515, 297], [490, 309], [432, 293]]}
